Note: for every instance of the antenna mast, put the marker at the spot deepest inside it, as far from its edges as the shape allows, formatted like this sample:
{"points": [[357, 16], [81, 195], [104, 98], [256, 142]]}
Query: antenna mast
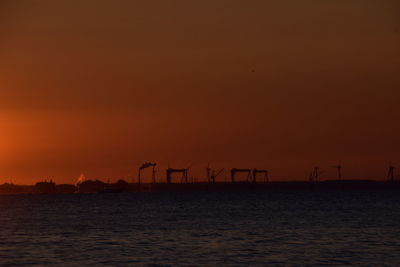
{"points": [[339, 171], [391, 172]]}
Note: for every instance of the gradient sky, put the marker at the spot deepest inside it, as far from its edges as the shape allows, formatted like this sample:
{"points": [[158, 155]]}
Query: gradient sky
{"points": [[100, 86]]}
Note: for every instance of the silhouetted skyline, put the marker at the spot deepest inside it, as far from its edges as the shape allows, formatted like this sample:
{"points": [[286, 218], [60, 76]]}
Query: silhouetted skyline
{"points": [[99, 87]]}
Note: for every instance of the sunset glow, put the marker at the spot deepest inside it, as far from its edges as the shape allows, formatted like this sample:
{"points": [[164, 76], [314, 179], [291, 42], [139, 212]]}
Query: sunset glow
{"points": [[278, 85]]}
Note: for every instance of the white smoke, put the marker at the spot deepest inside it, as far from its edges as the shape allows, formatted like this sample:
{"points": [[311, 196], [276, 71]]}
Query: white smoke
{"points": [[80, 180]]}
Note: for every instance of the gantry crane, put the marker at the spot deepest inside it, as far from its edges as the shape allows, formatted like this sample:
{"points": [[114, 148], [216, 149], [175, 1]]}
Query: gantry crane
{"points": [[255, 172], [234, 171], [171, 171]]}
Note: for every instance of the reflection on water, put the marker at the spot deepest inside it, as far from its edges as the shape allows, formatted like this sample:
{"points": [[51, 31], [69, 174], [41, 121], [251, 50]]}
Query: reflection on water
{"points": [[201, 228]]}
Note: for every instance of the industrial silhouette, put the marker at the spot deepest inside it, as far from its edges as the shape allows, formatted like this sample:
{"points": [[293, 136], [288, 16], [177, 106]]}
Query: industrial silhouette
{"points": [[212, 174], [171, 171], [253, 179], [391, 172], [315, 174], [208, 173], [255, 172], [234, 171], [147, 165], [339, 171], [45, 187]]}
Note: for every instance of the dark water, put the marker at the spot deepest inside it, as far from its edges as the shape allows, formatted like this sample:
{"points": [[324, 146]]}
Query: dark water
{"points": [[209, 229]]}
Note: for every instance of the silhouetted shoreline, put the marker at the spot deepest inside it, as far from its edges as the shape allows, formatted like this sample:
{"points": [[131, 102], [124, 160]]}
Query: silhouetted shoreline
{"points": [[123, 186]]}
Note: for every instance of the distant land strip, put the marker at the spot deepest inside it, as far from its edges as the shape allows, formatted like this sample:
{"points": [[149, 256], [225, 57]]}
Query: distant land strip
{"points": [[96, 186]]}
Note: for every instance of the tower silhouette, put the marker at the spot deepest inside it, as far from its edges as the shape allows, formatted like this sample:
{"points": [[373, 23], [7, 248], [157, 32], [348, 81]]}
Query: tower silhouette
{"points": [[391, 172], [144, 166], [339, 171]]}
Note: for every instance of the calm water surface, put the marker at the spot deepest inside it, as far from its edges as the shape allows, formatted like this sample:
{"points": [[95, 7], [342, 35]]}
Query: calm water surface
{"points": [[209, 229]]}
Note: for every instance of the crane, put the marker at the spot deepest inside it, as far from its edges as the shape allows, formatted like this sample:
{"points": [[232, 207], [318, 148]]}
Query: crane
{"points": [[235, 170], [212, 174], [184, 173], [255, 172]]}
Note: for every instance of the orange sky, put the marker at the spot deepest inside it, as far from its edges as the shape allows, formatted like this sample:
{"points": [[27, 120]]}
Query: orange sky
{"points": [[98, 87]]}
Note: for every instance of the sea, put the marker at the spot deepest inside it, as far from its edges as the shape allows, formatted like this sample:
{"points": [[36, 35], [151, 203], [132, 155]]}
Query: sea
{"points": [[293, 228]]}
